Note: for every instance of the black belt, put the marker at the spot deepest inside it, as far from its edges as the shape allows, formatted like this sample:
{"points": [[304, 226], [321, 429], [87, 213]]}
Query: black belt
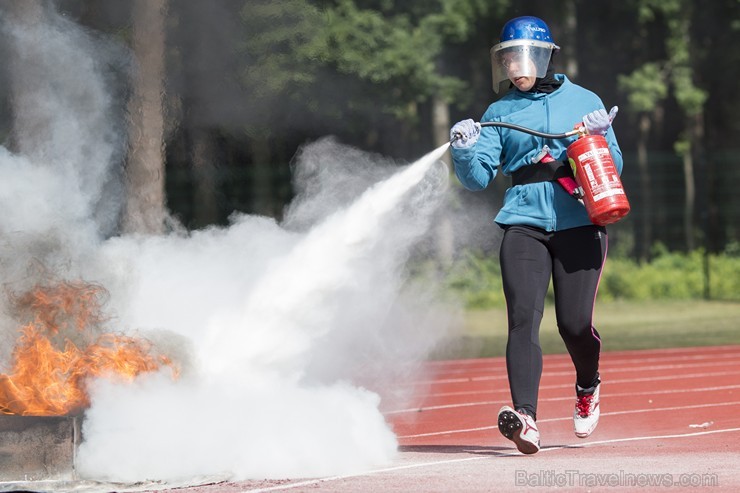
{"points": [[535, 173]]}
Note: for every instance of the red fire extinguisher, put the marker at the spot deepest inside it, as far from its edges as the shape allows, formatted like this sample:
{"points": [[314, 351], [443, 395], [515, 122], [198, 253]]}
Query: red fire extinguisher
{"points": [[594, 170]]}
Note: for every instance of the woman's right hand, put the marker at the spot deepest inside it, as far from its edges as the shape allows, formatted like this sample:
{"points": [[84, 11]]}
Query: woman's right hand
{"points": [[464, 134]]}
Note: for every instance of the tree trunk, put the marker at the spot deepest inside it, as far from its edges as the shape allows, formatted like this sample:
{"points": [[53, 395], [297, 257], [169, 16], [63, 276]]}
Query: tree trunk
{"points": [[571, 28], [441, 124], [206, 207], [644, 238], [694, 155], [27, 126], [704, 197], [445, 233], [262, 193], [689, 198], [145, 171]]}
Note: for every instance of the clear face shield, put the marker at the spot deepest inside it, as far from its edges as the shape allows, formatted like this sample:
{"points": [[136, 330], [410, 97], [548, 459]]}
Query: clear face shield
{"points": [[520, 58]]}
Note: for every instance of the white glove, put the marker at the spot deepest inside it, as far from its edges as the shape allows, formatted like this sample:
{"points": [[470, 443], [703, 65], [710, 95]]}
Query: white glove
{"points": [[464, 134], [598, 122]]}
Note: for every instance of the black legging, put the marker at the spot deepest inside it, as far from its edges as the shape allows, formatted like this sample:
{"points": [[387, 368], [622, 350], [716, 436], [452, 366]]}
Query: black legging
{"points": [[529, 257]]}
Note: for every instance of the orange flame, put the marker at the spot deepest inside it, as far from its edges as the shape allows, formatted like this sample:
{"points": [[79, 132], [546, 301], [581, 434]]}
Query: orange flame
{"points": [[50, 371]]}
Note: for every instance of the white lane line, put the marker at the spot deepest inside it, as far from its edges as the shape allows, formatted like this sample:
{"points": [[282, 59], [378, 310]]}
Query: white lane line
{"points": [[615, 359], [568, 418], [606, 361], [637, 439], [554, 399], [492, 454], [673, 350], [627, 355], [610, 381], [637, 355], [501, 374]]}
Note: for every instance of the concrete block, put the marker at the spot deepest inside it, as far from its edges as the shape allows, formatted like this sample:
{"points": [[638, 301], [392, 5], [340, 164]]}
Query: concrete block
{"points": [[35, 448]]}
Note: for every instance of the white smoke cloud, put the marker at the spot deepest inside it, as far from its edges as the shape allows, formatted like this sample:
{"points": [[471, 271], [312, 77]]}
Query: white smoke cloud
{"points": [[284, 329], [233, 428], [280, 323]]}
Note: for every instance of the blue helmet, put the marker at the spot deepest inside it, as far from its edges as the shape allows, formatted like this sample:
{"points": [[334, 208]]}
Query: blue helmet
{"points": [[527, 27], [524, 50]]}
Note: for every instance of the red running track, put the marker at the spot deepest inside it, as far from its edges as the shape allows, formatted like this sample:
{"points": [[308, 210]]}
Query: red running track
{"points": [[670, 420]]}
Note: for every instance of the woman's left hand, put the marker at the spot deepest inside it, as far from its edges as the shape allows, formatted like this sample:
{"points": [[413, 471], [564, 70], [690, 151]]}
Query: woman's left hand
{"points": [[598, 122]]}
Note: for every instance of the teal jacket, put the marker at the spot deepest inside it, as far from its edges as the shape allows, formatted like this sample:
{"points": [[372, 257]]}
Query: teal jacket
{"points": [[545, 205]]}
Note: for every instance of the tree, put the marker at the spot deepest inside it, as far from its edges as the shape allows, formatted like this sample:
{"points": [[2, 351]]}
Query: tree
{"points": [[145, 210], [651, 83], [205, 101], [278, 75], [647, 89], [400, 48], [24, 87], [691, 100]]}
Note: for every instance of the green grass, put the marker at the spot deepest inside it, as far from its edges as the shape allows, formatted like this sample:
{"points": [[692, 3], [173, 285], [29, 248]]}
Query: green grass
{"points": [[621, 324]]}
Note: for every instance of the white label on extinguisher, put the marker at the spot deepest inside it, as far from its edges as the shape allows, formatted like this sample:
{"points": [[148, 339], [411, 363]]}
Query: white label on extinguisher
{"points": [[608, 193], [590, 175], [604, 184]]}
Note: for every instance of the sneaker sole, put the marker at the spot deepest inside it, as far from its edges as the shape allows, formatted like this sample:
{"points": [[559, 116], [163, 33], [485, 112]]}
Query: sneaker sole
{"points": [[511, 427]]}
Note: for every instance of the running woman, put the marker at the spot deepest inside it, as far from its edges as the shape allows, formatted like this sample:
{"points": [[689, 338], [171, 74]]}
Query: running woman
{"points": [[547, 232]]}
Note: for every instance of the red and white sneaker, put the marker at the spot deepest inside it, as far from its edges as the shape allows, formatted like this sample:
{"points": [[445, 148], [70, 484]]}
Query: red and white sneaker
{"points": [[586, 414], [520, 428]]}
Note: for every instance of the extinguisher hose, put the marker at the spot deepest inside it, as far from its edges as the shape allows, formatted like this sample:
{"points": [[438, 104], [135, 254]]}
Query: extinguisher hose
{"points": [[525, 130]]}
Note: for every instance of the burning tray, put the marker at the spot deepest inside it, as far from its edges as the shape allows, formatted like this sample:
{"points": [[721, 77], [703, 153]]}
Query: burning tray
{"points": [[34, 448]]}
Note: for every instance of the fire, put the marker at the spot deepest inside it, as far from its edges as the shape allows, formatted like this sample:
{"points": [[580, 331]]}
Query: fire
{"points": [[62, 346]]}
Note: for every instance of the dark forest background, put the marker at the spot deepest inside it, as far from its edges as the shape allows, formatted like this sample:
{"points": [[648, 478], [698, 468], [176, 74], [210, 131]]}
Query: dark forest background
{"points": [[222, 94]]}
